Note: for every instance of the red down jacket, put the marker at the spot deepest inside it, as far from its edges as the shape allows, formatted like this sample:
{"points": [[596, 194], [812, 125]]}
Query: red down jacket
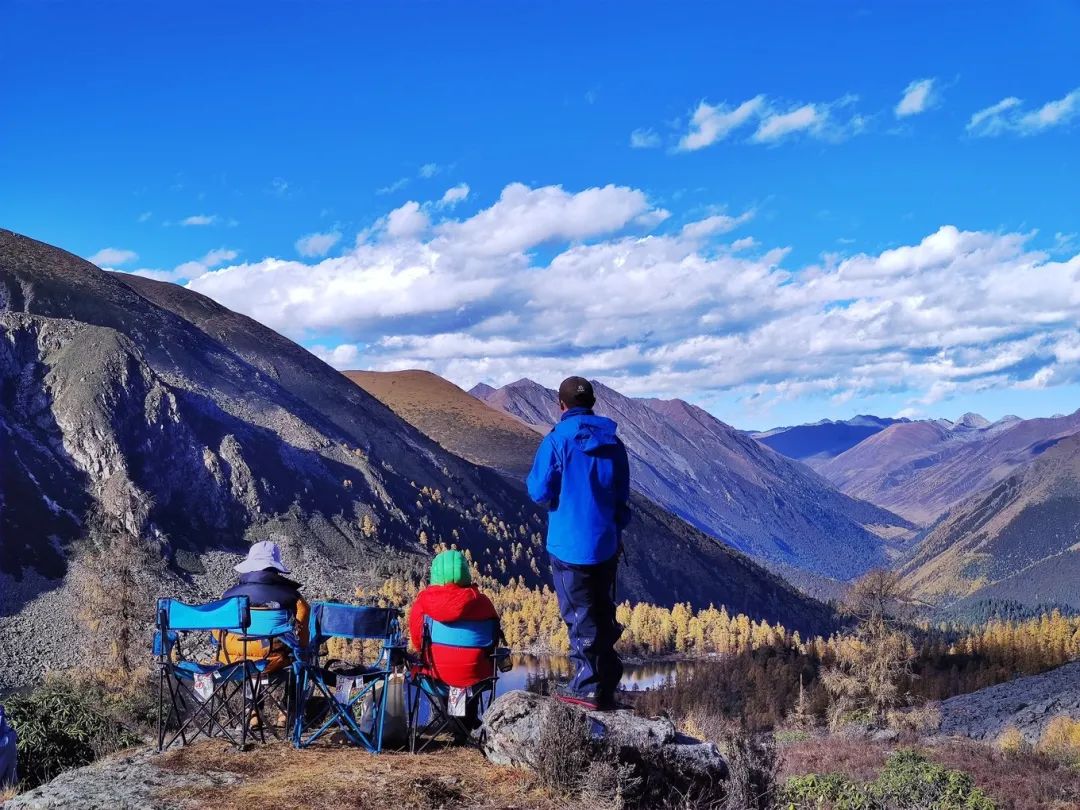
{"points": [[456, 666]]}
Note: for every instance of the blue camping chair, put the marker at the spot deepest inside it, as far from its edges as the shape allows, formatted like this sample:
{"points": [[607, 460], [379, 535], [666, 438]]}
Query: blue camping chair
{"points": [[203, 695], [273, 690], [332, 708], [427, 689]]}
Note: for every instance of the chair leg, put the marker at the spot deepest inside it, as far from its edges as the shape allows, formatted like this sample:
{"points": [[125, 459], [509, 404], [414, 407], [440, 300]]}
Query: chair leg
{"points": [[160, 707], [414, 717]]}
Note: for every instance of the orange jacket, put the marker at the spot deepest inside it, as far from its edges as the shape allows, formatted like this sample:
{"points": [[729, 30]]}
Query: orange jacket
{"points": [[276, 654]]}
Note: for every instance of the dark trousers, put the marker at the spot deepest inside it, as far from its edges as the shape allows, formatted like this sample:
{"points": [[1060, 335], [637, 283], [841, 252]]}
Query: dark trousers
{"points": [[587, 604]]}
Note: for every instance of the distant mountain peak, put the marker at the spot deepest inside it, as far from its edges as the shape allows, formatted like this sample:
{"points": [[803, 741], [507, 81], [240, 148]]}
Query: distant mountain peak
{"points": [[482, 390], [972, 421]]}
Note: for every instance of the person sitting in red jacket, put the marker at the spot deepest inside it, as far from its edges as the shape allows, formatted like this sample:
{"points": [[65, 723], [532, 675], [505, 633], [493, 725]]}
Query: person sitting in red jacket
{"points": [[452, 597]]}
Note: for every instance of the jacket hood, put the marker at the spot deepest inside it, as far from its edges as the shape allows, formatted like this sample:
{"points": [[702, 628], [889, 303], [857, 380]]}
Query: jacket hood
{"points": [[591, 433], [268, 577], [450, 602]]}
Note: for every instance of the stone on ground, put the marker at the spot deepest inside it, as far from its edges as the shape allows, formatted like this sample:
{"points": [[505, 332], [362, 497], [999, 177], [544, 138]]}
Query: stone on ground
{"points": [[514, 722]]}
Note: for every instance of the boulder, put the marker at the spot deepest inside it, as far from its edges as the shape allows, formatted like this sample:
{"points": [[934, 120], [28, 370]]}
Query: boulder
{"points": [[651, 749]]}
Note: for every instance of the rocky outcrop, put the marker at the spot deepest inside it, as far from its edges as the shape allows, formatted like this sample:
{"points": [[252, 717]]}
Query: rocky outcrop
{"points": [[125, 781], [516, 730], [1028, 704]]}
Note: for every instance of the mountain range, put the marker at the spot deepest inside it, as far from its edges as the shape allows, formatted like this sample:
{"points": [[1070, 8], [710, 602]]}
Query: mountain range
{"points": [[812, 444], [727, 484], [136, 406], [921, 469]]}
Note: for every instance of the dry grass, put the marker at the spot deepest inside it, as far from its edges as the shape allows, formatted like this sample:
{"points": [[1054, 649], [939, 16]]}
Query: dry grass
{"points": [[1017, 781], [340, 778], [1060, 740], [1011, 742], [7, 792]]}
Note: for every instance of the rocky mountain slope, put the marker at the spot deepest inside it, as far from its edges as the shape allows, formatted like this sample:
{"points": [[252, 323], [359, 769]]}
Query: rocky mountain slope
{"points": [[1017, 541], [1027, 704], [816, 443], [730, 486], [921, 469], [663, 553]]}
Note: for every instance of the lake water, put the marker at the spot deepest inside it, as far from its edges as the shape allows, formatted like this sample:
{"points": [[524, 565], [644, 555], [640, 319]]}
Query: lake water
{"points": [[636, 677]]}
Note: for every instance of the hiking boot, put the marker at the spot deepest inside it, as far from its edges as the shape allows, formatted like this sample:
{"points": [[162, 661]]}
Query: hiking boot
{"points": [[608, 703], [586, 701]]}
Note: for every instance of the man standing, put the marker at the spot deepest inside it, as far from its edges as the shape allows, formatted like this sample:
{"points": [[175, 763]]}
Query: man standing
{"points": [[582, 475]]}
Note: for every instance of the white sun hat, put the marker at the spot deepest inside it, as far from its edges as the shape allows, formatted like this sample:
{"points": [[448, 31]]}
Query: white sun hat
{"points": [[261, 555]]}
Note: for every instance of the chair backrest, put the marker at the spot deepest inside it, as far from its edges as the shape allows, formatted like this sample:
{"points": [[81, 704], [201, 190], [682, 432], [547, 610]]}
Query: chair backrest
{"points": [[336, 620], [476, 634], [233, 614], [270, 622]]}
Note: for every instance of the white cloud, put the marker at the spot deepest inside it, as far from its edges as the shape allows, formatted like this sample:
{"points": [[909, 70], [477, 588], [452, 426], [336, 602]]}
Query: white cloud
{"points": [[779, 125], [675, 313], [1052, 114], [429, 170], [454, 195], [524, 217], [317, 244], [219, 256], [919, 96], [644, 139], [716, 224], [279, 187], [199, 219], [345, 356], [397, 185], [192, 269], [710, 124], [407, 221], [775, 121], [113, 257], [145, 216], [1008, 117]]}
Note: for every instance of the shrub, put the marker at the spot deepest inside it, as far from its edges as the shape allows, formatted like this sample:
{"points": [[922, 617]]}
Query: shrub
{"points": [[1012, 743], [65, 724], [908, 782], [564, 749], [920, 720], [1060, 740], [788, 736], [752, 767], [825, 790]]}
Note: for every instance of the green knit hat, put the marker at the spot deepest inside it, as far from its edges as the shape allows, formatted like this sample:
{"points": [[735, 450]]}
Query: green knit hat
{"points": [[450, 568]]}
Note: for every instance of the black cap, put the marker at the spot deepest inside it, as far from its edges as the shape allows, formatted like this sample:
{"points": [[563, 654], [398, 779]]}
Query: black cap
{"points": [[576, 392]]}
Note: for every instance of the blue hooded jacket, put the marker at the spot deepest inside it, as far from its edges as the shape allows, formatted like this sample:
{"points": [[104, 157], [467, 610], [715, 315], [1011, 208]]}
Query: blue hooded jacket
{"points": [[582, 475]]}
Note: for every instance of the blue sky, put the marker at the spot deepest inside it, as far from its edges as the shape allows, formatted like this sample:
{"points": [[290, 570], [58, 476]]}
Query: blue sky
{"points": [[729, 204]]}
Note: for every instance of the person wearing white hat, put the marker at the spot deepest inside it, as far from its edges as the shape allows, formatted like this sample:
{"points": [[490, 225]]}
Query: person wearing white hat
{"points": [[262, 580]]}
